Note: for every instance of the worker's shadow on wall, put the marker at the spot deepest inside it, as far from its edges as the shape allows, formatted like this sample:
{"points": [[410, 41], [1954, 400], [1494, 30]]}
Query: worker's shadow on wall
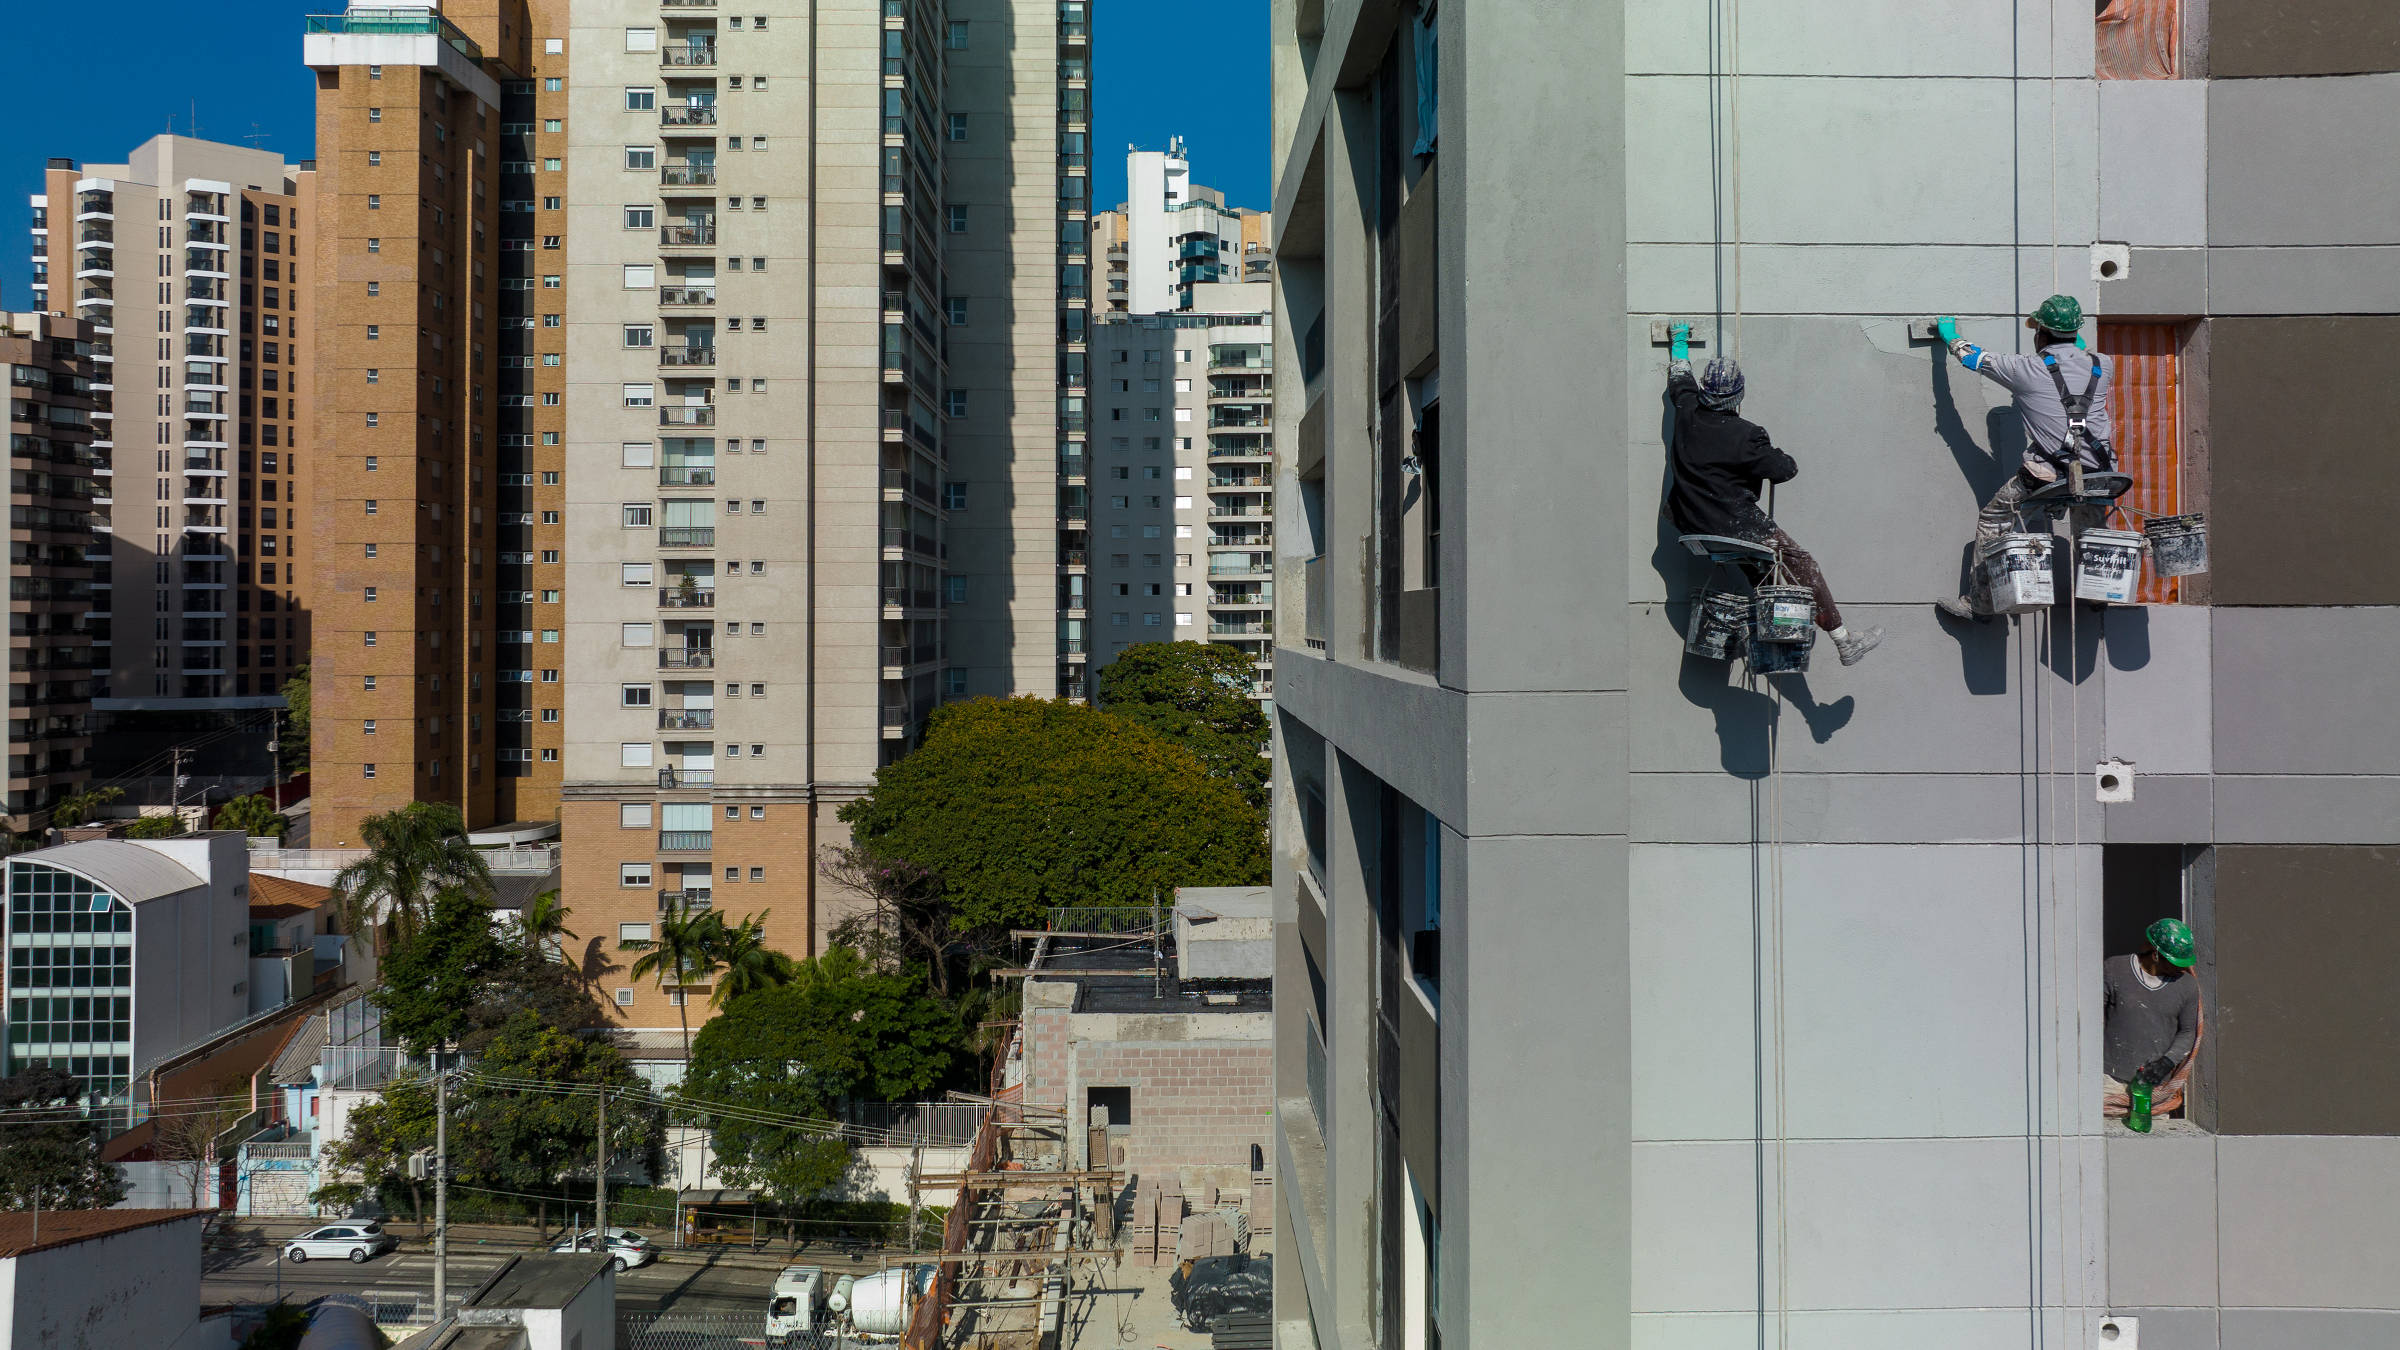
{"points": [[1742, 713], [1982, 647]]}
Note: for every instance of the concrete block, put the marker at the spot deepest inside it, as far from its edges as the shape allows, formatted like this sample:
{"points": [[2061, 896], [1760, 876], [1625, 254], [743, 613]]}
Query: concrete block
{"points": [[2305, 690], [1687, 1200], [2159, 283], [2307, 810], [2343, 280], [2304, 161], [2316, 1328], [2154, 162], [2162, 1222], [1908, 1224], [1565, 754], [2157, 688], [2166, 809], [2309, 1222]]}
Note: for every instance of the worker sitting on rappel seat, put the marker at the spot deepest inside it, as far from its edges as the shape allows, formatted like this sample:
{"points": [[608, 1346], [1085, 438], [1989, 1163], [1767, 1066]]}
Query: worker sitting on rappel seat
{"points": [[2151, 1019], [2062, 394], [1720, 460]]}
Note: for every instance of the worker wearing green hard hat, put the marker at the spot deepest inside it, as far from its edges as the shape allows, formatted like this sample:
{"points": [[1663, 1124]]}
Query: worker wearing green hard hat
{"points": [[2061, 394], [2151, 1008]]}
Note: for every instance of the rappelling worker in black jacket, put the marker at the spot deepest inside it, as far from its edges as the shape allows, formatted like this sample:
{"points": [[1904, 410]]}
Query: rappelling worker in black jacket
{"points": [[1720, 460]]}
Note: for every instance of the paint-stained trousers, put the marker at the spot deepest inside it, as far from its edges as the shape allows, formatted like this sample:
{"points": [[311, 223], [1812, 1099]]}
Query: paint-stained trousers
{"points": [[1758, 527]]}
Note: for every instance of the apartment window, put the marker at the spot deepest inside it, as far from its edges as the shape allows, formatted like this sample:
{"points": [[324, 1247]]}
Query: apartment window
{"points": [[757, 873], [374, 72], [368, 594], [758, 691], [370, 684], [640, 276], [633, 874], [958, 126], [374, 159], [270, 580], [554, 83], [633, 815], [956, 307], [374, 114], [954, 402], [366, 770], [640, 217], [957, 218], [636, 516], [758, 264], [634, 695], [1118, 619], [758, 813], [374, 376], [640, 39], [370, 505], [758, 506], [638, 454], [370, 637], [639, 335], [633, 754], [758, 323], [374, 201], [637, 396], [958, 35]]}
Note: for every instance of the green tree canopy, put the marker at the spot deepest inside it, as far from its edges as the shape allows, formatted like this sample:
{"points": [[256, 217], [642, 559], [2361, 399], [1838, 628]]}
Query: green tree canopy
{"points": [[1020, 804], [434, 977], [48, 1150], [382, 1135], [839, 1029], [253, 815], [155, 827], [294, 740], [78, 808], [413, 853], [1198, 695], [522, 1126]]}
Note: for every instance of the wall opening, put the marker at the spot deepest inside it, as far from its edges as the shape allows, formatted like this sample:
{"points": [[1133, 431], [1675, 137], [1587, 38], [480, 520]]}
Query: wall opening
{"points": [[2138, 40], [2145, 401], [2140, 885]]}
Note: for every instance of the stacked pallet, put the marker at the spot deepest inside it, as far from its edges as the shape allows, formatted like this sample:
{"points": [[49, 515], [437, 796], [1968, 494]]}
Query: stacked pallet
{"points": [[1262, 1203]]}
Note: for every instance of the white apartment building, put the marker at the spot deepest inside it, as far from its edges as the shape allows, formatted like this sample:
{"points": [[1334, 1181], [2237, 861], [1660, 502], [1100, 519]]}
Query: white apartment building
{"points": [[1170, 236]]}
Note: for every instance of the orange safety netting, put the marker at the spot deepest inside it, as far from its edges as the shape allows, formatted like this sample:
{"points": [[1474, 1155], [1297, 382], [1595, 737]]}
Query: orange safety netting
{"points": [[2136, 39], [2145, 401]]}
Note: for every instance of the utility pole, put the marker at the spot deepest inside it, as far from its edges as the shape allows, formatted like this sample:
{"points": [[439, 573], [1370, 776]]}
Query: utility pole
{"points": [[600, 1203], [275, 756], [441, 1189], [175, 787]]}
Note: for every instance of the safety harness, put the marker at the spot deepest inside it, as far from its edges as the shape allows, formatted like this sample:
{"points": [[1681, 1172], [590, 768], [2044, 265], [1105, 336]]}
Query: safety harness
{"points": [[2079, 409]]}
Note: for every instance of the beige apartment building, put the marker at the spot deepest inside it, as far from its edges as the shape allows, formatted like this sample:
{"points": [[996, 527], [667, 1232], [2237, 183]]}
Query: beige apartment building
{"points": [[438, 256], [1182, 499], [1171, 235], [824, 321], [188, 261], [52, 365]]}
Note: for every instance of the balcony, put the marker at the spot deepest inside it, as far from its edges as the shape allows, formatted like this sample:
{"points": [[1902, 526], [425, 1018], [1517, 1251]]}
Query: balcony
{"points": [[684, 841], [396, 20], [687, 353], [1255, 569], [689, 415], [689, 658], [680, 297], [687, 719], [688, 234], [685, 902], [687, 475], [902, 597], [687, 175], [687, 536], [895, 537], [1255, 510], [688, 115], [673, 778], [691, 599], [1253, 630], [690, 55]]}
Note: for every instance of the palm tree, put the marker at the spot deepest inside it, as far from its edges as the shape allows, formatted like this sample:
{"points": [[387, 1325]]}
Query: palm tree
{"points": [[541, 925], [685, 951], [411, 854], [749, 962]]}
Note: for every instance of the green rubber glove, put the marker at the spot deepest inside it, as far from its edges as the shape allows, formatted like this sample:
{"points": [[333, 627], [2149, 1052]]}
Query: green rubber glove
{"points": [[1947, 327], [1681, 348]]}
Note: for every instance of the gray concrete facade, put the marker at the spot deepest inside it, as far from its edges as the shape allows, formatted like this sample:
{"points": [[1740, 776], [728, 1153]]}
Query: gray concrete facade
{"points": [[1772, 1009]]}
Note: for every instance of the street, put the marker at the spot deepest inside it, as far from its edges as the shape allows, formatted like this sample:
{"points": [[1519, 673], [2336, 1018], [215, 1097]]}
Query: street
{"points": [[244, 1265]]}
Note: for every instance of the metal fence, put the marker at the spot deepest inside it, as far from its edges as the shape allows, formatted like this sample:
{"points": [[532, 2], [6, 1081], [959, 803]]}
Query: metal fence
{"points": [[673, 1331], [917, 1124], [1130, 920]]}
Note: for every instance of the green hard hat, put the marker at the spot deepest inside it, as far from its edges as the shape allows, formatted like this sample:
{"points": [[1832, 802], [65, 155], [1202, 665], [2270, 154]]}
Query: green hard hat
{"points": [[2172, 939], [2060, 314]]}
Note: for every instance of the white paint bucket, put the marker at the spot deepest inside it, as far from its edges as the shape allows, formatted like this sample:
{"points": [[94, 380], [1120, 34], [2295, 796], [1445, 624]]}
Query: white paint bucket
{"points": [[2017, 571], [2178, 545], [1720, 619], [1783, 614], [2108, 564]]}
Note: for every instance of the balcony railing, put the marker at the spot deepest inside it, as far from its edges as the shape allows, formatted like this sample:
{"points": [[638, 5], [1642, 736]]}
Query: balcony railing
{"points": [[687, 536], [691, 54], [687, 415], [688, 234], [688, 175], [692, 599], [1259, 509], [684, 841], [688, 115], [670, 297], [687, 719], [668, 778], [404, 21], [687, 354], [687, 475], [1242, 629], [670, 902], [689, 658], [902, 597]]}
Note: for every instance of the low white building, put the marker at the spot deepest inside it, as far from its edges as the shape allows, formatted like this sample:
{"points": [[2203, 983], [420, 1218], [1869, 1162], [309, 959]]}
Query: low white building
{"points": [[101, 1279], [123, 953]]}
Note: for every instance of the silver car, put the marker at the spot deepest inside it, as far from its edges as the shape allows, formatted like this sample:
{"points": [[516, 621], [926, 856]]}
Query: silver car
{"points": [[629, 1248], [356, 1240]]}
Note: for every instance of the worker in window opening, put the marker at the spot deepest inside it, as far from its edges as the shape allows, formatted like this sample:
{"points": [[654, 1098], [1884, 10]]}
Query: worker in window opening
{"points": [[2151, 1008], [2062, 395], [1720, 460]]}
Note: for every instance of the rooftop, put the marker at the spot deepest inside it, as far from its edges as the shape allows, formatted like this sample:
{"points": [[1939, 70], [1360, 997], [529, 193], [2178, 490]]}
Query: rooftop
{"points": [[275, 897], [66, 1227], [126, 870], [539, 1280], [1093, 963]]}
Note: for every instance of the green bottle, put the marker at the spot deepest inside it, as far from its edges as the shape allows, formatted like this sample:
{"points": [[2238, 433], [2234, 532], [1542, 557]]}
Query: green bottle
{"points": [[2137, 1109]]}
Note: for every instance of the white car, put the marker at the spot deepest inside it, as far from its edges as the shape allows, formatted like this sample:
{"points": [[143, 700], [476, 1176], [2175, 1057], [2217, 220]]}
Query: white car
{"points": [[631, 1249], [355, 1240]]}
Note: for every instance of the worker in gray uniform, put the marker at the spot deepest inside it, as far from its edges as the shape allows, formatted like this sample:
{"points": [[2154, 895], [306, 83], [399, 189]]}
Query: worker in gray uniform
{"points": [[2061, 393], [2151, 1008]]}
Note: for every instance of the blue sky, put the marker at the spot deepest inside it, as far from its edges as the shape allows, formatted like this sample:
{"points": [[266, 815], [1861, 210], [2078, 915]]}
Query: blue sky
{"points": [[1162, 69]]}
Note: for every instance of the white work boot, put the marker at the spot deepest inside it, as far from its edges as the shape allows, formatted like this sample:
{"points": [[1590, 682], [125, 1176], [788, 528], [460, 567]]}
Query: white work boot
{"points": [[1855, 646], [1961, 608]]}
